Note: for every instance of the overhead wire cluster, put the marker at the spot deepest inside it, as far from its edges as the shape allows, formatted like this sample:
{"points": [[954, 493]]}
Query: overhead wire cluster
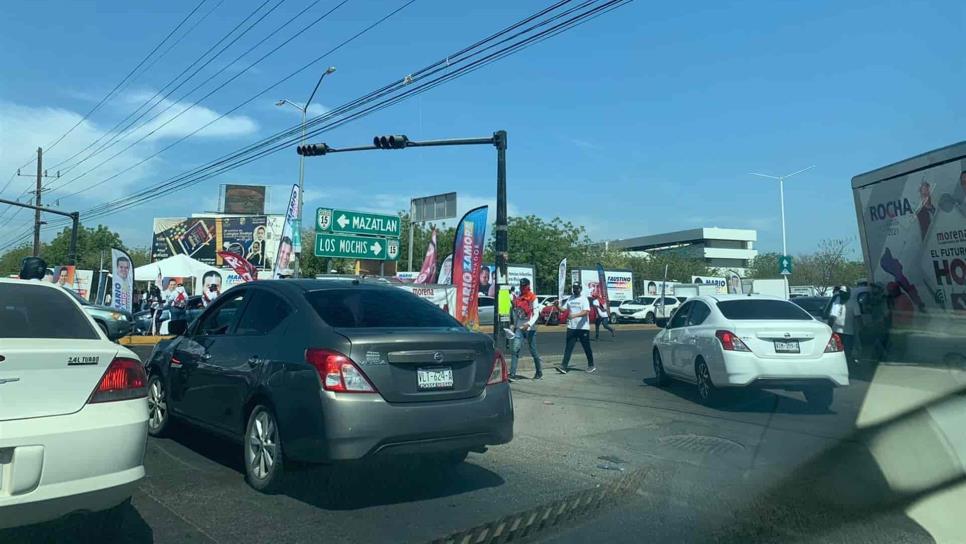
{"points": [[542, 25]]}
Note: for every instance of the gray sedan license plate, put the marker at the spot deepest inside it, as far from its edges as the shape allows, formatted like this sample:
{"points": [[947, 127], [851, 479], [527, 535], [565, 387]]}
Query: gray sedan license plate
{"points": [[434, 378], [787, 346]]}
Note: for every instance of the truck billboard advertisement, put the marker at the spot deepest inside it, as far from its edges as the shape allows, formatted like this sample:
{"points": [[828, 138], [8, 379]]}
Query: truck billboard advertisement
{"points": [[913, 226]]}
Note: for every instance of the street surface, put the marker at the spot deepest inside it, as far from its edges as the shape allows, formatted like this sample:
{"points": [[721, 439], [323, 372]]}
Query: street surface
{"points": [[713, 474]]}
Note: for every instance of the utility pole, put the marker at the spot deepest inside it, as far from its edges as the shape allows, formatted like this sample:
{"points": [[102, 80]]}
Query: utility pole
{"points": [[40, 171], [74, 219], [41, 174]]}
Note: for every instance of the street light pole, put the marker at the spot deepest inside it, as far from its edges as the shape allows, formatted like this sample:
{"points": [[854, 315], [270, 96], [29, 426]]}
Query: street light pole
{"points": [[781, 200], [305, 110]]}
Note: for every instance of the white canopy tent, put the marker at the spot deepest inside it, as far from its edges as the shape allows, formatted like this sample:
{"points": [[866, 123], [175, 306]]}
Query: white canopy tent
{"points": [[176, 266]]}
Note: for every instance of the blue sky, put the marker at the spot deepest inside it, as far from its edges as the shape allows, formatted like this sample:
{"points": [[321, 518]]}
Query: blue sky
{"points": [[645, 120]]}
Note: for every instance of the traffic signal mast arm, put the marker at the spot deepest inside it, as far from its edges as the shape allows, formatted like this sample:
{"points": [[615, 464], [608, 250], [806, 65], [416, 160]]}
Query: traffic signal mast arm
{"points": [[396, 142]]}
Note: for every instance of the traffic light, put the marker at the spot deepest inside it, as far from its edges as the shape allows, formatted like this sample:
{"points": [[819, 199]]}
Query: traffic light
{"points": [[312, 150], [396, 141]]}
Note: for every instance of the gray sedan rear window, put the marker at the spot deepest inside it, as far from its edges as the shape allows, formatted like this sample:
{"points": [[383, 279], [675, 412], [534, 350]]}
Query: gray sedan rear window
{"points": [[35, 311], [762, 309], [360, 308]]}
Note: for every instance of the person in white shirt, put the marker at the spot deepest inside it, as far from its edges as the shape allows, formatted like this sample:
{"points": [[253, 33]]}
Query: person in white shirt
{"points": [[578, 329], [603, 319], [842, 321]]}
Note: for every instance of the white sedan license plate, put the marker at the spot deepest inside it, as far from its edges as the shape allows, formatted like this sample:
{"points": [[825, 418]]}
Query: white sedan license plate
{"points": [[787, 346], [434, 378]]}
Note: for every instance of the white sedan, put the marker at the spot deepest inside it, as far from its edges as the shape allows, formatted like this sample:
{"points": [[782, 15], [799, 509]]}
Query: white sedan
{"points": [[750, 341], [73, 412]]}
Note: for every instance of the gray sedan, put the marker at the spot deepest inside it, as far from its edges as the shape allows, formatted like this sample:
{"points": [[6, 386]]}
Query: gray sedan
{"points": [[325, 371]]}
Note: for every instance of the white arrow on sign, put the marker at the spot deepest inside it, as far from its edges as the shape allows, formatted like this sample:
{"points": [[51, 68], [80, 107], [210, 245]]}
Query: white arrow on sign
{"points": [[376, 248], [342, 221]]}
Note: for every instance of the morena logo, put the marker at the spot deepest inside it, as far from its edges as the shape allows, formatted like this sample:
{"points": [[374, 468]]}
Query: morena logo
{"points": [[890, 210]]}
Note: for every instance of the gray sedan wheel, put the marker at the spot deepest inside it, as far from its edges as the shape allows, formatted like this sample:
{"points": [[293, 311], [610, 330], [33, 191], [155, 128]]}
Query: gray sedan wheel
{"points": [[263, 451]]}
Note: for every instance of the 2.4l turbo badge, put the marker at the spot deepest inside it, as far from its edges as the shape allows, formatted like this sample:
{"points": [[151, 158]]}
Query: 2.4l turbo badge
{"points": [[75, 360]]}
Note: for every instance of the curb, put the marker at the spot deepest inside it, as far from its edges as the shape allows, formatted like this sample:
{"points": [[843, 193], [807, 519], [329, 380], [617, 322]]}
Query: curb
{"points": [[141, 340], [514, 527]]}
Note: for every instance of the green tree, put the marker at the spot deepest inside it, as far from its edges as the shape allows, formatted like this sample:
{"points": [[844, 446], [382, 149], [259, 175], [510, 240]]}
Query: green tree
{"points": [[92, 243], [10, 261], [543, 244], [764, 266], [140, 256]]}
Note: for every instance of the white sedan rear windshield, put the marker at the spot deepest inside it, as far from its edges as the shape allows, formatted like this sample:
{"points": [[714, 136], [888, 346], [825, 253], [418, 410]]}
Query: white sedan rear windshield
{"points": [[762, 309], [35, 311]]}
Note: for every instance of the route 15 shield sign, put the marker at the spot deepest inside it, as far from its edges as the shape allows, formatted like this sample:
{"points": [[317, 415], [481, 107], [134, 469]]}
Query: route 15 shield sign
{"points": [[323, 219]]}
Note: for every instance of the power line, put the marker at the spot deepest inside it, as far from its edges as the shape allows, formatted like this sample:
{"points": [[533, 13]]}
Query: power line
{"points": [[116, 134], [285, 139], [221, 166], [51, 145], [213, 91]]}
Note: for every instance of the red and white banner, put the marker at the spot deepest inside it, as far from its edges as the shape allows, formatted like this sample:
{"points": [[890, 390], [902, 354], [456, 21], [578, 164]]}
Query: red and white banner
{"points": [[240, 265], [427, 274]]}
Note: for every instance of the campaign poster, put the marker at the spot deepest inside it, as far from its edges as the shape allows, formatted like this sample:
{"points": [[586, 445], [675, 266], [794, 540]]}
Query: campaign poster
{"points": [[467, 262], [64, 276], [83, 279], [446, 271], [122, 280], [443, 296], [194, 237], [514, 273], [620, 283], [915, 233], [286, 246], [245, 236], [721, 284], [201, 238]]}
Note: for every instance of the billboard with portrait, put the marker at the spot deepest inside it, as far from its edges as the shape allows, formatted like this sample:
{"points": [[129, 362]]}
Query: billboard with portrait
{"points": [[254, 237]]}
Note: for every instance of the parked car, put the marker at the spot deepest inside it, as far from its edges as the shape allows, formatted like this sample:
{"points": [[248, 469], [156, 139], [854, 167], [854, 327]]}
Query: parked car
{"points": [[73, 414], [647, 309], [319, 371], [725, 341], [816, 306], [113, 323], [550, 313], [486, 308]]}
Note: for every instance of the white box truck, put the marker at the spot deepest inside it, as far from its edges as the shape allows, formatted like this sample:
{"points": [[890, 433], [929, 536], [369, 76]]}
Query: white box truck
{"points": [[912, 226]]}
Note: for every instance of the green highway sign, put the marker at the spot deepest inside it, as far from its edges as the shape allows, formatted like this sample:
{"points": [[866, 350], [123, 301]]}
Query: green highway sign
{"points": [[356, 247], [785, 265], [350, 222]]}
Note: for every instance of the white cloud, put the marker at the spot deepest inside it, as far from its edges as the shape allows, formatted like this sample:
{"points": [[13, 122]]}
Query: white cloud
{"points": [[23, 129], [178, 120]]}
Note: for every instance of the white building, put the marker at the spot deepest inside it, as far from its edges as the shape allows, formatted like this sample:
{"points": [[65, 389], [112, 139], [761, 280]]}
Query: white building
{"points": [[726, 249]]}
